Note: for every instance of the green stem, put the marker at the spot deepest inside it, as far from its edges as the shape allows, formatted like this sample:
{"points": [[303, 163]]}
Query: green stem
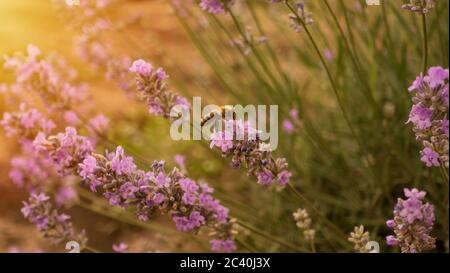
{"points": [[425, 43]]}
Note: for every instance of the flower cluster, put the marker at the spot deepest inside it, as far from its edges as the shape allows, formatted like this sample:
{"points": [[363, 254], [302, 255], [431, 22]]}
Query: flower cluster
{"points": [[216, 6], [153, 88], [291, 124], [412, 223], [359, 238], [305, 16], [429, 115], [421, 6], [247, 43], [120, 248], [240, 142], [120, 181], [303, 222], [55, 226], [26, 123]]}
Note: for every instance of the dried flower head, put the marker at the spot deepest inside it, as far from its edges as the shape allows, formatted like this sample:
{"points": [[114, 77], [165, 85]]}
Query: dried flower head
{"points": [[359, 238]]}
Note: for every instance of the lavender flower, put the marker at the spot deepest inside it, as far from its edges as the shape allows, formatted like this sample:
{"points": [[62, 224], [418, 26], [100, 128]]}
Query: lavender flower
{"points": [[35, 73], [153, 88], [119, 180], [241, 143], [421, 6], [67, 149], [55, 226], [429, 115], [305, 16], [26, 123], [412, 223], [120, 248], [359, 238], [216, 6], [291, 123], [303, 222]]}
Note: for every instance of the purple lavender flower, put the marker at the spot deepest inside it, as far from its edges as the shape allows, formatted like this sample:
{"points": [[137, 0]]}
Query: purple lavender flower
{"points": [[430, 157], [120, 248], [72, 149], [26, 123], [421, 116], [216, 6], [429, 115], [53, 225], [142, 68], [242, 144], [420, 6], [413, 221], [288, 127], [223, 245], [38, 74], [265, 178]]}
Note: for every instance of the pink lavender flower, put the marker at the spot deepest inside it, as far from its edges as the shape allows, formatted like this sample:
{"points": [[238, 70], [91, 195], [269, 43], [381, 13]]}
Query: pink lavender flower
{"points": [[265, 178], [72, 149], [65, 195], [180, 160], [420, 6], [152, 87], [430, 157], [429, 115], [284, 177], [119, 180], [41, 75], [223, 245], [305, 16], [216, 6], [421, 116], [26, 123], [291, 123], [288, 127], [413, 221], [142, 68], [54, 226]]}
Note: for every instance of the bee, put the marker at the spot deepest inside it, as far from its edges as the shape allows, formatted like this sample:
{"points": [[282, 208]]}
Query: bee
{"points": [[214, 114]]}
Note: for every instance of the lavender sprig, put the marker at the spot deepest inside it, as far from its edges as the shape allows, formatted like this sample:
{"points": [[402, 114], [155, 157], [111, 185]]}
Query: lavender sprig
{"points": [[412, 223], [156, 191], [216, 6], [429, 115], [420, 6], [55, 226]]}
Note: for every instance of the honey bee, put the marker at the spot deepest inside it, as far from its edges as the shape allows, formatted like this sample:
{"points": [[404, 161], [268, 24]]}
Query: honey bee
{"points": [[214, 114]]}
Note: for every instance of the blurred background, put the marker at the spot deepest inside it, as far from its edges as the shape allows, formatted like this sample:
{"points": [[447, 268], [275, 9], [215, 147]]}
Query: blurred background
{"points": [[373, 54]]}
